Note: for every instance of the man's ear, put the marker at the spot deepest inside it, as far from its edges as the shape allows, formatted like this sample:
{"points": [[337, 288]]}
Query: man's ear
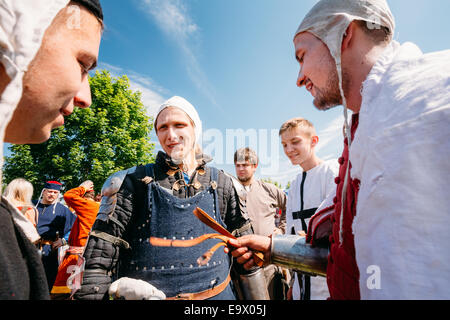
{"points": [[347, 41], [314, 141]]}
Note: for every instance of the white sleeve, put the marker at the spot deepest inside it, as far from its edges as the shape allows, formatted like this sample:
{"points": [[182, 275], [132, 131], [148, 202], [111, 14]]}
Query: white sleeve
{"points": [[289, 206], [401, 227], [332, 173]]}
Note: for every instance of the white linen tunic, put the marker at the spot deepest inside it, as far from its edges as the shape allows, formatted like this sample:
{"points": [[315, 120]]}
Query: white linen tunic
{"points": [[318, 184], [401, 155]]}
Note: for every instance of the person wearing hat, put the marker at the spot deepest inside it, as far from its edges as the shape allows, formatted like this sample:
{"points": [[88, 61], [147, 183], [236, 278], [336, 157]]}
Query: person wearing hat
{"points": [[54, 225], [144, 209], [386, 226], [46, 50]]}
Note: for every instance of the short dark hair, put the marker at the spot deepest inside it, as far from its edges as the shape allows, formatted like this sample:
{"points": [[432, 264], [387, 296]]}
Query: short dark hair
{"points": [[93, 6], [378, 34], [245, 154]]}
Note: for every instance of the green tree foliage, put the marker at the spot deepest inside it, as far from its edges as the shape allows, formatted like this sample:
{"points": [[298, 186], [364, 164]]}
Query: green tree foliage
{"points": [[112, 135]]}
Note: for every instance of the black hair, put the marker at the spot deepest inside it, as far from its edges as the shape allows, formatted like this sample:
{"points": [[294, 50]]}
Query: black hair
{"points": [[93, 6]]}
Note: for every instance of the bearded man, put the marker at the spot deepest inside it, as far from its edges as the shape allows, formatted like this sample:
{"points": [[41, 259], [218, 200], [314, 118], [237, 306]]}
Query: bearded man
{"points": [[387, 224]]}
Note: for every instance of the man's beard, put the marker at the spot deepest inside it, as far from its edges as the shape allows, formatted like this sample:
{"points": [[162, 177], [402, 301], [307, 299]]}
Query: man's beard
{"points": [[330, 96], [244, 179]]}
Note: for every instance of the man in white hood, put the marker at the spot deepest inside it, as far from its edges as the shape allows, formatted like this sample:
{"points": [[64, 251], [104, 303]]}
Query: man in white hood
{"points": [[390, 236], [47, 48]]}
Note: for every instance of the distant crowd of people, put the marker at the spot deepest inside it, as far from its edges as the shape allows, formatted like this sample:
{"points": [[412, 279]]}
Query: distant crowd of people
{"points": [[63, 226]]}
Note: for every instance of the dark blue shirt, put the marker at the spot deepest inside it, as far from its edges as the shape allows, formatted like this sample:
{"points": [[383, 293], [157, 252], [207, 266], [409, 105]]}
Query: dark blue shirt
{"points": [[54, 218]]}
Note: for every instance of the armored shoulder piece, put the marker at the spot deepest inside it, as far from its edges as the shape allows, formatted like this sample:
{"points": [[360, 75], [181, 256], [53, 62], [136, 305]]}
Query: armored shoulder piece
{"points": [[109, 192]]}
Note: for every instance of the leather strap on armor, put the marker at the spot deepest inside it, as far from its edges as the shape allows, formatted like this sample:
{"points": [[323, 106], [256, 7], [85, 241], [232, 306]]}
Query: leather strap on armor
{"points": [[107, 237], [203, 295]]}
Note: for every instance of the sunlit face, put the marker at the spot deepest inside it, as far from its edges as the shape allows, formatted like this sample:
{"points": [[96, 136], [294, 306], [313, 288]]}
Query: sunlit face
{"points": [[245, 170], [318, 71], [49, 196], [176, 133], [57, 78], [297, 145]]}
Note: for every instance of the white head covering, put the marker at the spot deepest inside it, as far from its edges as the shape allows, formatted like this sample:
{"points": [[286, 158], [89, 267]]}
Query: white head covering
{"points": [[188, 108], [328, 20], [22, 27]]}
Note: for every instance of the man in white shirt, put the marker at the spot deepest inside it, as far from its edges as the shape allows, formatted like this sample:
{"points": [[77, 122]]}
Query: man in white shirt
{"points": [[308, 190], [390, 236]]}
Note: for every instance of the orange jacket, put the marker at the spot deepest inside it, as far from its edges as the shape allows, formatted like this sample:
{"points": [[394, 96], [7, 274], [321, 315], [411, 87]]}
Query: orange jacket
{"points": [[86, 211]]}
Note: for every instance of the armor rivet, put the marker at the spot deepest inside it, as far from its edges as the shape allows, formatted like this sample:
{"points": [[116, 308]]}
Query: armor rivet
{"points": [[137, 268], [153, 268], [145, 268], [162, 268], [182, 238], [143, 225], [191, 266], [174, 238], [165, 238], [214, 263], [172, 267]]}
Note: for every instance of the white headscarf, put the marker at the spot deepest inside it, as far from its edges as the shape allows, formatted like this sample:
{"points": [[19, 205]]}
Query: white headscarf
{"points": [[22, 27], [188, 108], [328, 20]]}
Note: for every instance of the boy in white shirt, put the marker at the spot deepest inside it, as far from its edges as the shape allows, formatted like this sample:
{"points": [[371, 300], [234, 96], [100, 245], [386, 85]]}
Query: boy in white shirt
{"points": [[307, 191]]}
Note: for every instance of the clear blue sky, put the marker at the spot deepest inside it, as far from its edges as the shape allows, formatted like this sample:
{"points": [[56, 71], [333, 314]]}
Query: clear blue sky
{"points": [[234, 61]]}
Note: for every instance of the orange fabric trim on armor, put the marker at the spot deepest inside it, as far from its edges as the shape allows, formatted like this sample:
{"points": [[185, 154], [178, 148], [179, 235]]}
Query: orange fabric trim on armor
{"points": [[159, 242]]}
